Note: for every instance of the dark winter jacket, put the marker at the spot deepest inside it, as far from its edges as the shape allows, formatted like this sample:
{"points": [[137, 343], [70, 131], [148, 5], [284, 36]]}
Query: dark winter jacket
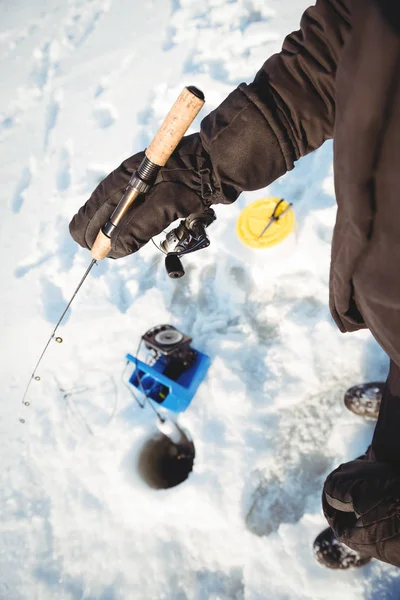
{"points": [[338, 77]]}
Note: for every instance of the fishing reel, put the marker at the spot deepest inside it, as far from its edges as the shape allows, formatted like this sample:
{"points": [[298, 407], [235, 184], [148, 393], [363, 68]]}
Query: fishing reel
{"points": [[170, 355], [189, 236], [165, 340]]}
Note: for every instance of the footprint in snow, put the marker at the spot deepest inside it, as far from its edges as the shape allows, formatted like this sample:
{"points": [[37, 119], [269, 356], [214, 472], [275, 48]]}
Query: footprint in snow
{"points": [[26, 268], [53, 302], [279, 500], [100, 89], [82, 24], [42, 69], [64, 169], [7, 122], [280, 494], [94, 175], [22, 185], [52, 113], [105, 115], [146, 125], [217, 584]]}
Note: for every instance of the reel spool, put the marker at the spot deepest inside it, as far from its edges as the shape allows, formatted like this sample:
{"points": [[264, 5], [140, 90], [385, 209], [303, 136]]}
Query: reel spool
{"points": [[166, 337], [168, 341]]}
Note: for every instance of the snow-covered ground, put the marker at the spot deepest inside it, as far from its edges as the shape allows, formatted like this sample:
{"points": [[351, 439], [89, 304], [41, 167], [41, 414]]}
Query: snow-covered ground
{"points": [[84, 84]]}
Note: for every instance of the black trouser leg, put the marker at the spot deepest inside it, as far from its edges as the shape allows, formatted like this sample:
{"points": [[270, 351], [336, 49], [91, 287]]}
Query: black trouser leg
{"points": [[386, 440]]}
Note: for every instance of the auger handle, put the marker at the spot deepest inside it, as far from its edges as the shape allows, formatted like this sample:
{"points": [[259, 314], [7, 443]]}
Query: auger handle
{"points": [[170, 133]]}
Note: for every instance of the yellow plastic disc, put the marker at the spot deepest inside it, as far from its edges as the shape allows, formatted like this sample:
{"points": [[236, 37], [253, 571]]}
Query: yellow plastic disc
{"points": [[256, 216]]}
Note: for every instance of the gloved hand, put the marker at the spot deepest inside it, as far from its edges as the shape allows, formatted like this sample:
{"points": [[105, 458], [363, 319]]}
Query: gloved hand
{"points": [[361, 501], [184, 186]]}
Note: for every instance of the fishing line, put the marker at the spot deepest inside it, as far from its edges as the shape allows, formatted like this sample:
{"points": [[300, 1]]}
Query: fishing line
{"points": [[75, 407], [57, 339], [158, 247], [74, 410]]}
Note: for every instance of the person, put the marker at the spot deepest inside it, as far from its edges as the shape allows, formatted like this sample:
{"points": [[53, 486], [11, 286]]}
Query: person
{"points": [[336, 78]]}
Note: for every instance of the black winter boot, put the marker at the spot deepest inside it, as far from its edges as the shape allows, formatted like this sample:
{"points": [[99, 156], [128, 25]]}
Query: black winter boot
{"points": [[365, 400], [332, 553]]}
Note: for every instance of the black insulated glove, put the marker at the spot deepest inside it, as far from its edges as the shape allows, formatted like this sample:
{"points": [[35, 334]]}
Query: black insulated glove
{"points": [[184, 186], [361, 502]]}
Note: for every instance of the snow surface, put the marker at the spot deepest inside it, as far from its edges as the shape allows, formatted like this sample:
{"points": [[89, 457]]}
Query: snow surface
{"points": [[84, 84]]}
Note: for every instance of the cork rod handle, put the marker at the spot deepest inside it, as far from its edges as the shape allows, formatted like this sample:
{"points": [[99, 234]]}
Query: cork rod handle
{"points": [[182, 114], [176, 123], [101, 246]]}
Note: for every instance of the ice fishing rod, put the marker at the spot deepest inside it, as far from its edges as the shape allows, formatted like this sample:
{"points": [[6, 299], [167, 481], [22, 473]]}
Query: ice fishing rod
{"points": [[173, 128]]}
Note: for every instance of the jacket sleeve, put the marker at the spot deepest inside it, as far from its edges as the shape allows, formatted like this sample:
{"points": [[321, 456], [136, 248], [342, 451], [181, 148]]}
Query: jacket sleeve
{"points": [[260, 129]]}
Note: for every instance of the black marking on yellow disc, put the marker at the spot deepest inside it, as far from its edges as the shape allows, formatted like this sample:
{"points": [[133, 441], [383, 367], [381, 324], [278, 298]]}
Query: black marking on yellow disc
{"points": [[37, 378], [59, 340], [256, 227]]}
